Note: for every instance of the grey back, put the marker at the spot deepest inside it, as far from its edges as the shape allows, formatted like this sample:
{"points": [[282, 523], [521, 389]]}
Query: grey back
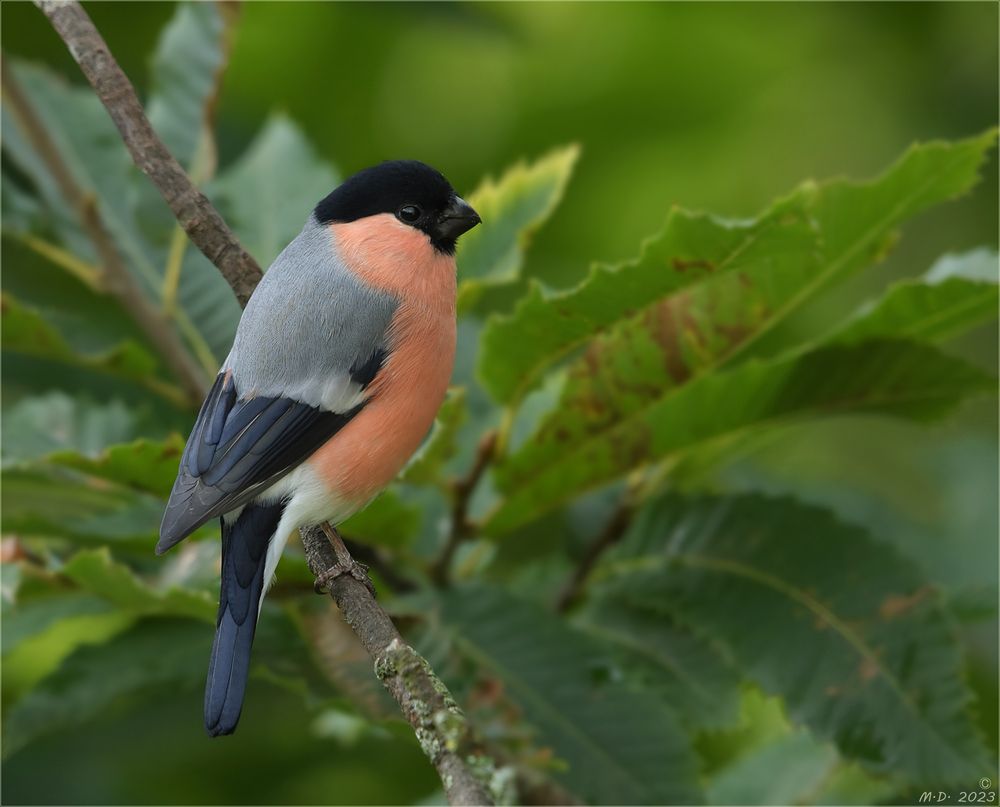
{"points": [[307, 324]]}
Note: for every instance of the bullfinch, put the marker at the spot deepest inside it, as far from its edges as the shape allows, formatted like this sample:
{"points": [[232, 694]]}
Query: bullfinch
{"points": [[340, 362]]}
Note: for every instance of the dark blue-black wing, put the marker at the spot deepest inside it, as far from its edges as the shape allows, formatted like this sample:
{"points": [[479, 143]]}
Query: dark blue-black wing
{"points": [[238, 448]]}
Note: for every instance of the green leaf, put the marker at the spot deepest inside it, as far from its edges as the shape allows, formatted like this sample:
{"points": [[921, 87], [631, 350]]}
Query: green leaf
{"points": [[428, 463], [31, 618], [39, 425], [184, 81], [46, 504], [958, 293], [145, 465], [388, 521], [154, 653], [840, 626], [692, 248], [512, 210], [95, 571], [620, 747], [690, 673], [267, 195], [25, 331], [87, 141], [47, 630], [899, 378], [787, 771], [753, 286], [91, 148]]}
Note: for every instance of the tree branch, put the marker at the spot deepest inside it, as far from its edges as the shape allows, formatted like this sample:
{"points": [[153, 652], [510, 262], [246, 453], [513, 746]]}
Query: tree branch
{"points": [[461, 491], [440, 726], [115, 277], [200, 220], [613, 531]]}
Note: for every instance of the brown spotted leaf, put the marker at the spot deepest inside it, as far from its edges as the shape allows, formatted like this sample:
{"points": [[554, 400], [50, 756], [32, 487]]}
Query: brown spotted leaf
{"points": [[743, 277], [586, 447]]}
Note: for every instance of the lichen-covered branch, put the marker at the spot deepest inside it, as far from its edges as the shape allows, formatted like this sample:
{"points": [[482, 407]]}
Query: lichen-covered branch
{"points": [[115, 277], [468, 776], [200, 220]]}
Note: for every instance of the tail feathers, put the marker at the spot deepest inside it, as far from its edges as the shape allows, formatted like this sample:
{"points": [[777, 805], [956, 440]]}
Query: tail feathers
{"points": [[244, 553]]}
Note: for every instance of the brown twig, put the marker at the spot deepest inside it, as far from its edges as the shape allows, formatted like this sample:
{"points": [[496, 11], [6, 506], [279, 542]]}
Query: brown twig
{"points": [[613, 531], [461, 491], [200, 220], [440, 725], [116, 279]]}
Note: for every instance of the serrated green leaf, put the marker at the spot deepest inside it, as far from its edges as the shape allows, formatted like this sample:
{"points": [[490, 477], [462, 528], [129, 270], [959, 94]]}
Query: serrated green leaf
{"points": [[186, 68], [145, 465], [958, 293], [904, 379], [440, 446], [95, 571], [512, 209], [692, 248], [852, 224], [876, 666], [619, 746], [154, 653], [388, 521], [690, 673], [267, 195]]}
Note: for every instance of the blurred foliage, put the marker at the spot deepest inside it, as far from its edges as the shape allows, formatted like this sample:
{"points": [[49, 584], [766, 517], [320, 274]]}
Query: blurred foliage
{"points": [[803, 605]]}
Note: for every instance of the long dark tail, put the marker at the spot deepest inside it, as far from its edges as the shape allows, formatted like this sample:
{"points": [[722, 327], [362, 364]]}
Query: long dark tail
{"points": [[244, 552]]}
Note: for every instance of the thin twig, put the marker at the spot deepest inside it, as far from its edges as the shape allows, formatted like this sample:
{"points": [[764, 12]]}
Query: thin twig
{"points": [[613, 531], [461, 492], [440, 726], [115, 277], [200, 220]]}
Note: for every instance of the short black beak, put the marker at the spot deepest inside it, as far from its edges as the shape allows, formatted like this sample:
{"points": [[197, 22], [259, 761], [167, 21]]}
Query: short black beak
{"points": [[457, 218]]}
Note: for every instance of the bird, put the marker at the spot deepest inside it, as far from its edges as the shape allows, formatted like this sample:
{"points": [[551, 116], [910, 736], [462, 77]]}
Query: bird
{"points": [[339, 364]]}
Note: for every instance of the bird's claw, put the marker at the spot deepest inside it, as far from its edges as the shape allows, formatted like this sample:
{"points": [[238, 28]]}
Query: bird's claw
{"points": [[352, 568]]}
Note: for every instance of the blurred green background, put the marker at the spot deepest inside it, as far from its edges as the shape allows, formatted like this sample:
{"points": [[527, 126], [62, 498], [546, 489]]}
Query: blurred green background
{"points": [[716, 106]]}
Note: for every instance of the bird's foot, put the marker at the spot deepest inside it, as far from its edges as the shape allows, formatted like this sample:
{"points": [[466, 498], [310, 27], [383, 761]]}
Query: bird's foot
{"points": [[351, 568]]}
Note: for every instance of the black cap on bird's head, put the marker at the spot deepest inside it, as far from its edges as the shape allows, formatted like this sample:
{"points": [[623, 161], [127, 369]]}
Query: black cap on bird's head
{"points": [[412, 191]]}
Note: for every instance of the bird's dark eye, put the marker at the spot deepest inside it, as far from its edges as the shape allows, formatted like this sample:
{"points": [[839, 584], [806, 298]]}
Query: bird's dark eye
{"points": [[408, 213]]}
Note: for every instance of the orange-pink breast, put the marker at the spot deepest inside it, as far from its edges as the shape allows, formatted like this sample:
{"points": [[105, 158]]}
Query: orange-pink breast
{"points": [[367, 454]]}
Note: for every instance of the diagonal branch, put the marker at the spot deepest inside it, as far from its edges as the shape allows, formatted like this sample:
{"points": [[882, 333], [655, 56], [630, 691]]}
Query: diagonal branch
{"points": [[441, 727], [200, 220], [115, 277], [425, 702]]}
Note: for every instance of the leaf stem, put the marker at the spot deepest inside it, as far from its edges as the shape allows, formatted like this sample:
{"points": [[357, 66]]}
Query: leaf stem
{"points": [[614, 529], [461, 491]]}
